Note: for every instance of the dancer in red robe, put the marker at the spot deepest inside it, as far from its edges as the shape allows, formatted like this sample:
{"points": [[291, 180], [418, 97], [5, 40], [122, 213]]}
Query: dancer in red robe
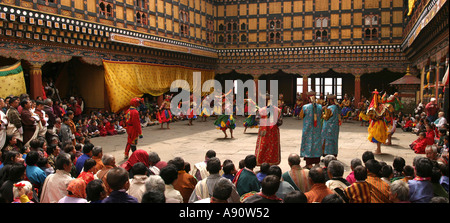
{"points": [[268, 148], [133, 126]]}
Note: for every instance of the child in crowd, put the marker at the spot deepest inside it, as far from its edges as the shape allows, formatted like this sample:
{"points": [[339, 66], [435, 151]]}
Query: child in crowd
{"points": [[398, 164], [119, 129], [102, 129], [408, 172], [419, 144], [263, 171], [407, 127], [93, 129], [45, 166], [229, 170]]}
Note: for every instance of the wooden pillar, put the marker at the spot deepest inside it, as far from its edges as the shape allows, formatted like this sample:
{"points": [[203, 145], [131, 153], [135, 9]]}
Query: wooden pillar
{"points": [[357, 88], [436, 81], [36, 80], [256, 79], [422, 79], [305, 87]]}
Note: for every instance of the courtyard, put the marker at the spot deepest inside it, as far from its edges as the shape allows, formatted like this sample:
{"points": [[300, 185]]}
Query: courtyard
{"points": [[192, 142]]}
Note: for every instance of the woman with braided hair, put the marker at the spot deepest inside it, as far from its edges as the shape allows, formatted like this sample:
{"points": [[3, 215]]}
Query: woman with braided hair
{"points": [[311, 146]]}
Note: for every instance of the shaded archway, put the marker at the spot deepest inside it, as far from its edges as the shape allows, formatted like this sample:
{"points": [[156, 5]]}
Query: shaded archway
{"points": [[286, 85], [380, 81]]}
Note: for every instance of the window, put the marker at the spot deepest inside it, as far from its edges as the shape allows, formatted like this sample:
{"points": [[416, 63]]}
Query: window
{"points": [[275, 24], [274, 37], [371, 30], [140, 3], [322, 85], [321, 26], [221, 27], [243, 26], [141, 18], [243, 38], [184, 23], [220, 39], [210, 31]]}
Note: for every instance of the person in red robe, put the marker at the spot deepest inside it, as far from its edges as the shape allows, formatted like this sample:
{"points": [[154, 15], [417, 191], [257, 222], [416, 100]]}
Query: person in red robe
{"points": [[133, 126], [102, 129], [268, 148], [110, 127], [419, 144]]}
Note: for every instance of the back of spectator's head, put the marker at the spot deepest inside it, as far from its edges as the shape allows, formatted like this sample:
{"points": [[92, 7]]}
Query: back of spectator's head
{"points": [[250, 161], [178, 162], [424, 167], [327, 159], [169, 174], [95, 190], [295, 197], [213, 165], [155, 182], [360, 173], [355, 162], [153, 196], [87, 148], [367, 155], [386, 171], [97, 150], [275, 170], [117, 178], [401, 189], [264, 168], [270, 185], [408, 171], [336, 168], [139, 169], [332, 198], [222, 190], [210, 154], [293, 159], [16, 171], [398, 164], [153, 158], [108, 159], [32, 158], [88, 164], [228, 168], [317, 174], [373, 166], [63, 159]]}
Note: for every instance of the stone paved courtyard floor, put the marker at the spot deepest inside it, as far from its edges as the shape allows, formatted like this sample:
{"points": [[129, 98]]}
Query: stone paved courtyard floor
{"points": [[192, 142]]}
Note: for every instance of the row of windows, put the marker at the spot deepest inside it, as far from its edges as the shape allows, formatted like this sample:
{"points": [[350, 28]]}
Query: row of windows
{"points": [[323, 22], [320, 35]]}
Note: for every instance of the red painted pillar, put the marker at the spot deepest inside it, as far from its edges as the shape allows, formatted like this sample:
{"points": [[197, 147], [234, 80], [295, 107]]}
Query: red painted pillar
{"points": [[357, 89], [36, 81], [305, 87]]}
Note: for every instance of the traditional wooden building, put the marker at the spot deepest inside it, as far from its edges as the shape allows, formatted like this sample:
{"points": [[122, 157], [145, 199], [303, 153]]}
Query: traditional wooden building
{"points": [[330, 46], [426, 39]]}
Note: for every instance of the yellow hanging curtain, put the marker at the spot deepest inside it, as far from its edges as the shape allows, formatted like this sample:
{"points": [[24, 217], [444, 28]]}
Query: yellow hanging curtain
{"points": [[12, 80], [126, 80]]}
